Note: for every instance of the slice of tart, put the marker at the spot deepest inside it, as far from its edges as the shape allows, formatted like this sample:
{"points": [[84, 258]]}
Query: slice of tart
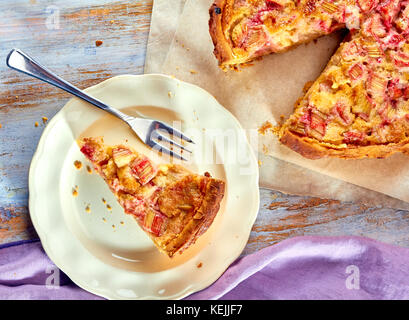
{"points": [[243, 30], [171, 204]]}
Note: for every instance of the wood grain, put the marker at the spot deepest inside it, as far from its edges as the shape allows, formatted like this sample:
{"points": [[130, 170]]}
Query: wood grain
{"points": [[282, 216], [70, 50]]}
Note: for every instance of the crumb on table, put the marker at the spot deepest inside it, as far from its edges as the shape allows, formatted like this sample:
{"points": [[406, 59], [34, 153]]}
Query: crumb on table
{"points": [[36, 124], [98, 43], [193, 71], [45, 119], [265, 127], [246, 65], [199, 265], [265, 149]]}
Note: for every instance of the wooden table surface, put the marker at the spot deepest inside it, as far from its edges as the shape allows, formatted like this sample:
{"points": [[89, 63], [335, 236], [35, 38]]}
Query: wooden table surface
{"points": [[63, 35]]}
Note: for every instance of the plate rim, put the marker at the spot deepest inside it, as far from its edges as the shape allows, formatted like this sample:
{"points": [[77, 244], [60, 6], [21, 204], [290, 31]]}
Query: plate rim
{"points": [[41, 234]]}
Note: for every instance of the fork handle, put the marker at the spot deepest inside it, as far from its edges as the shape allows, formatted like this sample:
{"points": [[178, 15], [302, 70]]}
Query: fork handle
{"points": [[20, 61]]}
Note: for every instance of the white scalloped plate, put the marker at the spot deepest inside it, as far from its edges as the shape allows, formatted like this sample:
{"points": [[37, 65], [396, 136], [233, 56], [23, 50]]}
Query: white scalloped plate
{"points": [[105, 252]]}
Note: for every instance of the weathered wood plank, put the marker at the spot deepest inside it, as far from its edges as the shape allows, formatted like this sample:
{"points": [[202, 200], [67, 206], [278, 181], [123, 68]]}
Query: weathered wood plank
{"points": [[70, 51], [282, 216]]}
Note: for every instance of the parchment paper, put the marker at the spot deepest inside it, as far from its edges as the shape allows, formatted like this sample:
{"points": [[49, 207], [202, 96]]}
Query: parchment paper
{"points": [[266, 90], [164, 22]]}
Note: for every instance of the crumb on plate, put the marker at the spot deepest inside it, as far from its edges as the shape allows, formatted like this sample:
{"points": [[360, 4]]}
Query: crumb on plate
{"points": [[78, 164], [75, 191]]}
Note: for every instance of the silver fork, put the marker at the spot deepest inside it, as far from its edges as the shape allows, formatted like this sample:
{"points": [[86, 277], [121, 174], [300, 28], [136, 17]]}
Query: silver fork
{"points": [[148, 130]]}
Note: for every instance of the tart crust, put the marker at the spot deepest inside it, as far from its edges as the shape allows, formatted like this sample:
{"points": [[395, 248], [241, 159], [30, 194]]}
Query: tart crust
{"points": [[196, 227], [311, 149], [222, 47]]}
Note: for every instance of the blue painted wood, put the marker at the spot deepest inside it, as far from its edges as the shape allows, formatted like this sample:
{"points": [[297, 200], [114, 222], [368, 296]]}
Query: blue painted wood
{"points": [[62, 35]]}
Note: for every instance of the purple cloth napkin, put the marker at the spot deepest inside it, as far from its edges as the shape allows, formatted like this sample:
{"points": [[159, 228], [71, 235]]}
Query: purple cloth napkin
{"points": [[26, 272], [297, 268]]}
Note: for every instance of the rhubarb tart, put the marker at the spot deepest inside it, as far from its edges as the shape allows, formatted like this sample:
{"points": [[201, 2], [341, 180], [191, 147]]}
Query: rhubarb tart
{"points": [[171, 204], [359, 105]]}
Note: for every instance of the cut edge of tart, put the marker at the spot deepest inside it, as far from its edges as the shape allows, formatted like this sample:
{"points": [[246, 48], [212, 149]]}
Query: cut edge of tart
{"points": [[172, 205]]}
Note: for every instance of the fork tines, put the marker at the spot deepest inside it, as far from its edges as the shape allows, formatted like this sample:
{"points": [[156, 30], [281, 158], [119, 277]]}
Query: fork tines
{"points": [[158, 136]]}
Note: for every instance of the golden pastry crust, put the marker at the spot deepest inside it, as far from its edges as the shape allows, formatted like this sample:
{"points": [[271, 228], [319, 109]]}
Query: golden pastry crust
{"points": [[311, 149], [196, 227], [222, 48], [171, 204]]}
